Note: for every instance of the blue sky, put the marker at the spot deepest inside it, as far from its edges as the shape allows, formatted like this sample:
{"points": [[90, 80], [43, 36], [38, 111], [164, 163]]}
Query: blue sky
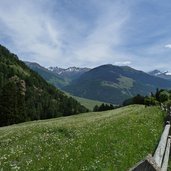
{"points": [[89, 32]]}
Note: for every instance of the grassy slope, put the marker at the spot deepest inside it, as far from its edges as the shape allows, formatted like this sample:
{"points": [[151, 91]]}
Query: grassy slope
{"points": [[114, 139], [88, 103]]}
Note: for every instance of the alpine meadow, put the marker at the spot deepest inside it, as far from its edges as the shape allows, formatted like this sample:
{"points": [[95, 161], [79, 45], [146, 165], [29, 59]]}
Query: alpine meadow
{"points": [[85, 85], [93, 141]]}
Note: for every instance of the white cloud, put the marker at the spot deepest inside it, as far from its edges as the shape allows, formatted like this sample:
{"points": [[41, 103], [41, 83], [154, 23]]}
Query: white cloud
{"points": [[100, 46], [168, 46], [83, 33], [32, 31], [42, 34], [120, 63]]}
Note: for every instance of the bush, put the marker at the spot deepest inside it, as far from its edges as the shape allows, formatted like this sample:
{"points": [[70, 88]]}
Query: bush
{"points": [[164, 96]]}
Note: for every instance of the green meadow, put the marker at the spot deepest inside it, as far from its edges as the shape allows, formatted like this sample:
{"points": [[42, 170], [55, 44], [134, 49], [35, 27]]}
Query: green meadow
{"points": [[88, 103], [111, 140]]}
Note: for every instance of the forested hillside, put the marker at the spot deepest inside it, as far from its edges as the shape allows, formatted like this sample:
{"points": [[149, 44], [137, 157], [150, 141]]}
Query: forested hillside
{"points": [[25, 96]]}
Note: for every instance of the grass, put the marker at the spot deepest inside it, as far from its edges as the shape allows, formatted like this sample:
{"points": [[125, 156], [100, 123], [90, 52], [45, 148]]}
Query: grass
{"points": [[124, 83], [112, 140], [88, 103]]}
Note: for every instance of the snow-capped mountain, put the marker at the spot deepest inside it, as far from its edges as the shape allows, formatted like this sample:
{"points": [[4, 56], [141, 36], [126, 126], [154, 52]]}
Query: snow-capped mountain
{"points": [[157, 73], [56, 70], [71, 72]]}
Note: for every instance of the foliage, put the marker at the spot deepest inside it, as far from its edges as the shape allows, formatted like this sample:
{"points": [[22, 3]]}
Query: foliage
{"points": [[138, 99], [148, 101], [163, 96], [104, 107], [160, 96], [25, 96]]}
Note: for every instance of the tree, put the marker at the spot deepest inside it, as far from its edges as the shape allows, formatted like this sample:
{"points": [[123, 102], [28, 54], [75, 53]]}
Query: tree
{"points": [[12, 104], [96, 108], [138, 99], [157, 94], [103, 107], [163, 96]]}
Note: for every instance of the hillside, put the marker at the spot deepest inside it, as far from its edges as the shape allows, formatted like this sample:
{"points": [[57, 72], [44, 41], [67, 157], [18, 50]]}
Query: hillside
{"points": [[48, 75], [114, 84], [27, 96], [112, 140], [88, 103], [60, 77]]}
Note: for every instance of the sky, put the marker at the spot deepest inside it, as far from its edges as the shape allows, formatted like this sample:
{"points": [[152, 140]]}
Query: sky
{"points": [[88, 33]]}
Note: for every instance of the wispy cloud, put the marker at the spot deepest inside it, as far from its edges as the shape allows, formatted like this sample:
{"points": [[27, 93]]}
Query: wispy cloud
{"points": [[123, 63], [52, 37], [31, 30], [104, 37], [87, 33]]}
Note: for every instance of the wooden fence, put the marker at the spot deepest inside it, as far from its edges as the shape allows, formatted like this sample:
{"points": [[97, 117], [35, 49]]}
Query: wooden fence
{"points": [[159, 161]]}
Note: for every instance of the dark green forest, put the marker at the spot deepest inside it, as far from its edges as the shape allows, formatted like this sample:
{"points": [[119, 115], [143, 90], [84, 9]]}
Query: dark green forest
{"points": [[25, 96]]}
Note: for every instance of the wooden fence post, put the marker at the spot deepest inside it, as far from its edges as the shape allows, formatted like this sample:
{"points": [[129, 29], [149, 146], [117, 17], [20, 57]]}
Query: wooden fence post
{"points": [[166, 157], [159, 153]]}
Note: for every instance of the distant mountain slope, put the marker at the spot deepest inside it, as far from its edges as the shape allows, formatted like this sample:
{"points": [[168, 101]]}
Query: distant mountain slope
{"points": [[48, 75], [70, 73], [24, 95], [165, 75], [60, 81], [59, 77], [114, 84], [88, 103]]}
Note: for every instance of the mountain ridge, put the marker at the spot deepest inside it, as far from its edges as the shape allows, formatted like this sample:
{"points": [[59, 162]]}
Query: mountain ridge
{"points": [[165, 75], [113, 84], [48, 75], [69, 73]]}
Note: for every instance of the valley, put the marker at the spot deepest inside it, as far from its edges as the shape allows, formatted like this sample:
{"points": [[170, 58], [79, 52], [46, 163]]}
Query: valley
{"points": [[106, 83]]}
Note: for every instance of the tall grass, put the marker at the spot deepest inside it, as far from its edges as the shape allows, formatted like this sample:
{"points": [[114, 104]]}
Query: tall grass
{"points": [[113, 140]]}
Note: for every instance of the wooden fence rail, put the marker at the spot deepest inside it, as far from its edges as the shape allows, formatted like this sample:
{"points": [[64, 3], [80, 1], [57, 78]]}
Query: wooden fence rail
{"points": [[166, 157], [160, 151], [159, 161]]}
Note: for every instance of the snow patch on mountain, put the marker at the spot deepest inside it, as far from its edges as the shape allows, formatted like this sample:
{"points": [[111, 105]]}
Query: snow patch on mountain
{"points": [[70, 69], [168, 73], [164, 74]]}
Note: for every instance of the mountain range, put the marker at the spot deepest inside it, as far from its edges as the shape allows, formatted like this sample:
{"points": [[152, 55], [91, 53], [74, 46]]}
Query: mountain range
{"points": [[113, 84], [70, 73], [108, 83], [48, 75], [160, 74]]}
